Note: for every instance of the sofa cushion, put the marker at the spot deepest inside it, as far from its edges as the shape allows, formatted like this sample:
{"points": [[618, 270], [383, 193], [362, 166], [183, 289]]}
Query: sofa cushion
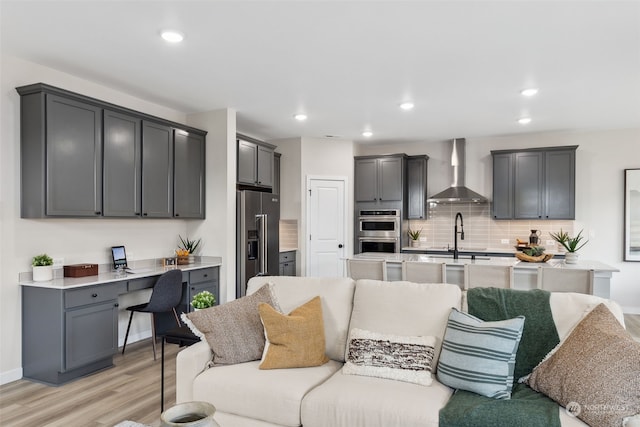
{"points": [[337, 301], [396, 357], [232, 330], [273, 396], [353, 400], [595, 372], [480, 356], [404, 308], [295, 340]]}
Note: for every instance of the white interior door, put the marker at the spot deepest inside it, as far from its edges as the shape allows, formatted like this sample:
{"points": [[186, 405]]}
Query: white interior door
{"points": [[326, 227]]}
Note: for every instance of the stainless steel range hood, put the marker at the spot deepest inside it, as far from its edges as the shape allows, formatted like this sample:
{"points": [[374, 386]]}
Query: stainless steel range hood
{"points": [[457, 193]]}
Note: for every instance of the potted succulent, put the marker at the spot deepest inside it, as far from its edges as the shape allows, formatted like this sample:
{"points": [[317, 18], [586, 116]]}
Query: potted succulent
{"points": [[571, 244], [414, 235], [204, 299], [186, 248], [42, 268]]}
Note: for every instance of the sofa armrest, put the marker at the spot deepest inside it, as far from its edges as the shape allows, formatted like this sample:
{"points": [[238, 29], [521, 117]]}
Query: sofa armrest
{"points": [[190, 362]]}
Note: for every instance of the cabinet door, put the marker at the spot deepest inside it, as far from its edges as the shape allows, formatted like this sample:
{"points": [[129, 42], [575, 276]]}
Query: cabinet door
{"points": [[122, 173], [276, 174], [189, 194], [416, 187], [74, 158], [288, 268], [157, 170], [366, 180], [91, 334], [247, 162], [528, 185], [265, 166], [502, 204], [560, 184], [390, 179]]}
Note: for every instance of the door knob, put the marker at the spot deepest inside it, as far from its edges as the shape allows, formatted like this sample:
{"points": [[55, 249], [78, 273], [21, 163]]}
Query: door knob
{"points": [[340, 245]]}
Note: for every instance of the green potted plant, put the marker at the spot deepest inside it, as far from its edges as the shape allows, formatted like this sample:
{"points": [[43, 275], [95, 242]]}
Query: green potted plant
{"points": [[186, 248], [571, 244], [204, 299], [414, 235], [42, 268]]}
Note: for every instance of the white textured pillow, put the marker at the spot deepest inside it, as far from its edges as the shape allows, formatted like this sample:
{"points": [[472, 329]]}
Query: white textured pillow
{"points": [[395, 357]]}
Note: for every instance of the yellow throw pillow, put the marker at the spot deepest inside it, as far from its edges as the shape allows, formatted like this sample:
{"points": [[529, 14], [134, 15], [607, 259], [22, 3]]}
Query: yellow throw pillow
{"points": [[295, 340]]}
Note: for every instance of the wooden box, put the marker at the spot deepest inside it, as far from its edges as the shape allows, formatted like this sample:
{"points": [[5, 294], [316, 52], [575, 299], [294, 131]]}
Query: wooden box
{"points": [[80, 270]]}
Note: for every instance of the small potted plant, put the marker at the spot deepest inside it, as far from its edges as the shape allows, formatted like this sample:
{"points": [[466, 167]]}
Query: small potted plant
{"points": [[571, 244], [42, 268], [414, 235], [204, 299], [186, 248]]}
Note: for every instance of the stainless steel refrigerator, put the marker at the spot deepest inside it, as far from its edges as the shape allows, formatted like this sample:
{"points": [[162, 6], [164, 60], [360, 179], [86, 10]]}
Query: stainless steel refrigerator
{"points": [[257, 237]]}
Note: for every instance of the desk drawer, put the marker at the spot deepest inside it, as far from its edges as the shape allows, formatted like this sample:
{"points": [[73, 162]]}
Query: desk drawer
{"points": [[202, 275], [93, 294], [287, 256], [142, 283]]}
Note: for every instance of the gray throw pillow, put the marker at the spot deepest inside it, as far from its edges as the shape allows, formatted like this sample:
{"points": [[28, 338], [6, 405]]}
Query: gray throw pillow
{"points": [[233, 330], [480, 356]]}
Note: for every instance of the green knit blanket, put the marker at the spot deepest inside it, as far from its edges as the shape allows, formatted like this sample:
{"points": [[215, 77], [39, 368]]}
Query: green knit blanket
{"points": [[526, 408]]}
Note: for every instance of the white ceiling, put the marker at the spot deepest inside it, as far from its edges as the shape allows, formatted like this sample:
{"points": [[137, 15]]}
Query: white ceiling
{"points": [[348, 65]]}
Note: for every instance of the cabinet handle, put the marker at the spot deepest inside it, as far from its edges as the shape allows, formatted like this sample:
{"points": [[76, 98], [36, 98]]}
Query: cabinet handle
{"points": [[144, 214], [94, 295], [177, 214], [137, 213], [116, 305], [193, 289], [98, 212]]}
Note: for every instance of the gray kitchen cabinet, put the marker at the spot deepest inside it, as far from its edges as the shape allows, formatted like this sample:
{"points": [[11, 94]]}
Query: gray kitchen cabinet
{"points": [[189, 179], [277, 157], [157, 170], [502, 186], [91, 334], [416, 186], [536, 183], [122, 174], [255, 162], [82, 157], [61, 155], [379, 179], [288, 263]]}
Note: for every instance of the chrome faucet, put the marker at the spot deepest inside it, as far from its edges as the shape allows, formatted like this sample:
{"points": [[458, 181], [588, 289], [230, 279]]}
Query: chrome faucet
{"points": [[455, 234]]}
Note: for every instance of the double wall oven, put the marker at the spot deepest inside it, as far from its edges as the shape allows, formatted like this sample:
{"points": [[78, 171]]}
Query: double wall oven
{"points": [[379, 230]]}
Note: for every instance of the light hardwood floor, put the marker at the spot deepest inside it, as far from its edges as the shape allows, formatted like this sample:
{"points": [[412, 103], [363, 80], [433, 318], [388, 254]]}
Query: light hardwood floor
{"points": [[129, 391]]}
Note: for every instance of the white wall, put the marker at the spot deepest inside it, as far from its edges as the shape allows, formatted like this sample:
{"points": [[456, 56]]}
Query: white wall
{"points": [[77, 241], [600, 160]]}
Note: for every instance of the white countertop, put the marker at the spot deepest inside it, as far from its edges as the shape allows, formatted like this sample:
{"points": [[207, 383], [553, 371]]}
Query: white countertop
{"points": [[150, 269], [516, 263], [503, 249]]}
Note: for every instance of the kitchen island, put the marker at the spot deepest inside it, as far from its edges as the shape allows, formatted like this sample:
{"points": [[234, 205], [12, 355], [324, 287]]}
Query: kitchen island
{"points": [[525, 273]]}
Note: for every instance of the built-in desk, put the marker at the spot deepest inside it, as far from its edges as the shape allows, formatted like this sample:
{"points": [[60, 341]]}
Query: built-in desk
{"points": [[70, 325]]}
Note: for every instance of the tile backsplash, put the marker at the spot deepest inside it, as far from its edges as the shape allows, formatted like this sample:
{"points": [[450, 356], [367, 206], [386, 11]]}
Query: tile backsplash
{"points": [[288, 234], [480, 229]]}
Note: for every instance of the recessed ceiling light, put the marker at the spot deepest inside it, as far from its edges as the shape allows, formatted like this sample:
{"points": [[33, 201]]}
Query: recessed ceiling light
{"points": [[529, 92], [524, 120], [367, 134], [407, 106], [172, 36], [300, 117]]}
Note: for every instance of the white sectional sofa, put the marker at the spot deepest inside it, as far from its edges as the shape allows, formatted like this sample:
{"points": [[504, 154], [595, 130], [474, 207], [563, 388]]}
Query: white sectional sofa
{"points": [[323, 395]]}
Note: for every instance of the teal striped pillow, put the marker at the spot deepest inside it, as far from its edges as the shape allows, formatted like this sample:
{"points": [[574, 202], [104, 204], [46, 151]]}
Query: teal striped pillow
{"points": [[480, 356]]}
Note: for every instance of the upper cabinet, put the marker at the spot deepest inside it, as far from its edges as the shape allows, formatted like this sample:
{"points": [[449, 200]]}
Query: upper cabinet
{"points": [[82, 157], [534, 183], [189, 179], [255, 162], [416, 187], [379, 179]]}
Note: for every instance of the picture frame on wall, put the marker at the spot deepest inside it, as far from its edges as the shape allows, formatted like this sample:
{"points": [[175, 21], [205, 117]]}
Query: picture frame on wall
{"points": [[632, 214]]}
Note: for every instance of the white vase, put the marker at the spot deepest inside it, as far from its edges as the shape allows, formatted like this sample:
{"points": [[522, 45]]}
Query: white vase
{"points": [[415, 243], [571, 258], [189, 414], [43, 273]]}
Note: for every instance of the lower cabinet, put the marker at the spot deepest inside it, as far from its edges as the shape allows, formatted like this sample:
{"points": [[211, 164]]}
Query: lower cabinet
{"points": [[288, 263], [69, 333]]}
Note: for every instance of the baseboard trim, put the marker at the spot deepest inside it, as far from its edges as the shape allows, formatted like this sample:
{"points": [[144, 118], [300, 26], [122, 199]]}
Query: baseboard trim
{"points": [[10, 376], [630, 310], [134, 337]]}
